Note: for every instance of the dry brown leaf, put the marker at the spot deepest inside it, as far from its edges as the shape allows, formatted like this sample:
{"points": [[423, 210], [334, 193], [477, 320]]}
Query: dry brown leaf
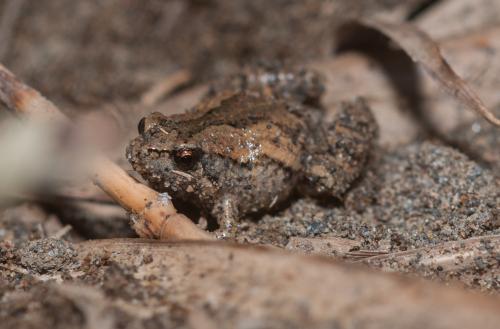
{"points": [[257, 285], [423, 50]]}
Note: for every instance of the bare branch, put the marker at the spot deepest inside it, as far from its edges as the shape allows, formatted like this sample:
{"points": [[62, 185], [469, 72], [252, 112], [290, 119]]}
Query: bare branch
{"points": [[165, 86]]}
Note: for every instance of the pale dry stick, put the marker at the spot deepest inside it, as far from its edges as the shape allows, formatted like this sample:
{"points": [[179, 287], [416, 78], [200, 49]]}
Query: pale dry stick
{"points": [[154, 214], [422, 49], [449, 255], [165, 86], [62, 232]]}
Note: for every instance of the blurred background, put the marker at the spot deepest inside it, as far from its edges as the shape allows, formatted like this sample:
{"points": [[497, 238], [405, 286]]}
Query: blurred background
{"points": [[82, 53]]}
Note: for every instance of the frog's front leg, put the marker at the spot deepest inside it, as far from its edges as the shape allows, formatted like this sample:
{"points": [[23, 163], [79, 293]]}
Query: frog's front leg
{"points": [[226, 213]]}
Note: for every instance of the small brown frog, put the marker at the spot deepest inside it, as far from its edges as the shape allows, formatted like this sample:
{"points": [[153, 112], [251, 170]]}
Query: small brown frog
{"points": [[256, 138]]}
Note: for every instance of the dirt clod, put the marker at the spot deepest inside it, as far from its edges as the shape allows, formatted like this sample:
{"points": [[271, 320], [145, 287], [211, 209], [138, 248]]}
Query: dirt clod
{"points": [[46, 255]]}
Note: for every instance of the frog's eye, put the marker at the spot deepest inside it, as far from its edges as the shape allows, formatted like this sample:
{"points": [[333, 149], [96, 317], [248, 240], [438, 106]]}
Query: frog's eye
{"points": [[141, 127], [186, 158]]}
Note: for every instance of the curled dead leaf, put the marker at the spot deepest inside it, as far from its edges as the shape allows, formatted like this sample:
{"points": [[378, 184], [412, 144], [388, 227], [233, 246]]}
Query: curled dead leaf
{"points": [[423, 50]]}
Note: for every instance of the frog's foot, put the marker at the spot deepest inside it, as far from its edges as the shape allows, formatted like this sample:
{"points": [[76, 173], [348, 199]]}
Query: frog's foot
{"points": [[226, 215]]}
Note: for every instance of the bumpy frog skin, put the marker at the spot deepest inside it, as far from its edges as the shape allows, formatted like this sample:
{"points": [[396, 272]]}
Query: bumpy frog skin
{"points": [[256, 138]]}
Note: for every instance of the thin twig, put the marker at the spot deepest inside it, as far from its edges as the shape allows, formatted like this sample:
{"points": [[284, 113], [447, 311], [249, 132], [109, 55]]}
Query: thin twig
{"points": [[62, 232], [165, 87], [447, 254]]}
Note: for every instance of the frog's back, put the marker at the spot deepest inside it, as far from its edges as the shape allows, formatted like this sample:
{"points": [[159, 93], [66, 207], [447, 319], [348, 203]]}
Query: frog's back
{"points": [[245, 128]]}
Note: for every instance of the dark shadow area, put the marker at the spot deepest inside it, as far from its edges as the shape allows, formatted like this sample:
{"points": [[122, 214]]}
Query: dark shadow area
{"points": [[194, 213], [102, 223]]}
